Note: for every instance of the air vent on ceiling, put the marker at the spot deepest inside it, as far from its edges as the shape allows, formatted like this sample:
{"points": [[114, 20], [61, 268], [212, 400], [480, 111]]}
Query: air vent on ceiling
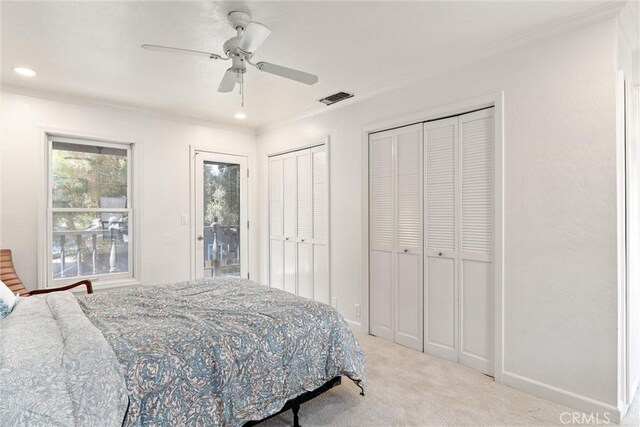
{"points": [[336, 97]]}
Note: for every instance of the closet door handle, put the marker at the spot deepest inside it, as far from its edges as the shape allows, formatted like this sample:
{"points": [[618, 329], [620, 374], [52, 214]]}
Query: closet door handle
{"points": [[286, 238], [302, 240], [439, 253], [406, 250]]}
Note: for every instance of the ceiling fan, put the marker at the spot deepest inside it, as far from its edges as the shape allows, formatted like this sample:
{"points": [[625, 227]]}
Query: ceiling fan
{"points": [[240, 50]]}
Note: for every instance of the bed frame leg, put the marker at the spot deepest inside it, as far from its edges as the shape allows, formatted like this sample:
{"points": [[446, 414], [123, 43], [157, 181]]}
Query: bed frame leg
{"points": [[296, 420]]}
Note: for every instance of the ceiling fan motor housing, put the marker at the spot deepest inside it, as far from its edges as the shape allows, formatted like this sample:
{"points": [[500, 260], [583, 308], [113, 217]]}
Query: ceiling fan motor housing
{"points": [[231, 46]]}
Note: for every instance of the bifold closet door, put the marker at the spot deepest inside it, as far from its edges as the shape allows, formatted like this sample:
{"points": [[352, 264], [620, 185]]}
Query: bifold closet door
{"points": [[305, 221], [276, 238], [381, 234], [459, 206], [441, 264], [298, 223], [395, 237], [320, 258], [290, 221], [408, 270], [476, 270]]}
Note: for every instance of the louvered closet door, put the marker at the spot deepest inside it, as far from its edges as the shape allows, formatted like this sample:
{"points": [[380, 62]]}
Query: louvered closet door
{"points": [[320, 265], [381, 234], [305, 222], [298, 223], [476, 240], [408, 271], [441, 305], [290, 220], [276, 239]]}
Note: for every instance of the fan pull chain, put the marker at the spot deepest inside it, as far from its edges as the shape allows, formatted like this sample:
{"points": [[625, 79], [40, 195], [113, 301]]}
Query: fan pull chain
{"points": [[242, 90]]}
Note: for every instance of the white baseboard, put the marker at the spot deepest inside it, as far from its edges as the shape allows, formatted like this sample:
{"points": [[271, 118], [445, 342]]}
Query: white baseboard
{"points": [[635, 387], [625, 406], [564, 397], [356, 327]]}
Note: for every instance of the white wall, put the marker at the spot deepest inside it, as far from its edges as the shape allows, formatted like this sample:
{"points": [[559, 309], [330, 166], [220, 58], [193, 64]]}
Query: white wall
{"points": [[560, 337], [627, 62], [165, 178]]}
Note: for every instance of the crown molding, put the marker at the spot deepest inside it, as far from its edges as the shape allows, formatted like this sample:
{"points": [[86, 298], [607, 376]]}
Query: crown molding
{"points": [[111, 106], [629, 25], [581, 19]]}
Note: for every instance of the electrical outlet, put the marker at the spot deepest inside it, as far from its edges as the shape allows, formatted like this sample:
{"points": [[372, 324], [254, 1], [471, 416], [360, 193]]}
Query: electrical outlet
{"points": [[334, 302], [356, 310], [184, 219]]}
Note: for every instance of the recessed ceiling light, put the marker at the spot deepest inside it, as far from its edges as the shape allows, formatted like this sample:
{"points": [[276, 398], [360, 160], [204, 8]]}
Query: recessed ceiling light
{"points": [[24, 71], [240, 115]]}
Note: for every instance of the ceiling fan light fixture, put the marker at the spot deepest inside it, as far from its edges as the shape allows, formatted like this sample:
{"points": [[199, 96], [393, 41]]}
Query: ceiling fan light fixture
{"points": [[240, 115], [24, 71]]}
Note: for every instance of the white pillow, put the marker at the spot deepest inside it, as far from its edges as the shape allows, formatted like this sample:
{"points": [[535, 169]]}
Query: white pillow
{"points": [[7, 300]]}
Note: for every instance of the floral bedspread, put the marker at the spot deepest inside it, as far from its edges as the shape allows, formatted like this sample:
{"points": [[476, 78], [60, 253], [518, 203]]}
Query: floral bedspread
{"points": [[220, 351]]}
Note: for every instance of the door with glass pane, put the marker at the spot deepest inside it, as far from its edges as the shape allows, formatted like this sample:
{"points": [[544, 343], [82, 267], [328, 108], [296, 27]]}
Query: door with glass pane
{"points": [[221, 224]]}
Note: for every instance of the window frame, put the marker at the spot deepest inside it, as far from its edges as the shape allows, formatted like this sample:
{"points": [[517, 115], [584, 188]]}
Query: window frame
{"points": [[99, 280]]}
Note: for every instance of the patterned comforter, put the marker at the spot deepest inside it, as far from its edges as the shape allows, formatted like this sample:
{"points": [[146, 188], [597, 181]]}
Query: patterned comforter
{"points": [[220, 351], [56, 369]]}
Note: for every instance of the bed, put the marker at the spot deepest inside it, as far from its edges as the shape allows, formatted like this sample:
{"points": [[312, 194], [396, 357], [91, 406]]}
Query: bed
{"points": [[207, 352]]}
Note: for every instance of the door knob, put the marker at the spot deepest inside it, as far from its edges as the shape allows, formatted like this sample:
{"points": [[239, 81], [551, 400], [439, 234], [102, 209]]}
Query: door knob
{"points": [[439, 253], [200, 237], [302, 240], [406, 250]]}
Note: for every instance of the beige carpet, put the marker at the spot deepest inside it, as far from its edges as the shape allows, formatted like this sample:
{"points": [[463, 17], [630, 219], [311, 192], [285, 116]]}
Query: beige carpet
{"points": [[408, 388]]}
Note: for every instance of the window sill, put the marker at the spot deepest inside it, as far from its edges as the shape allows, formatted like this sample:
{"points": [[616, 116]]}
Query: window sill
{"points": [[100, 285]]}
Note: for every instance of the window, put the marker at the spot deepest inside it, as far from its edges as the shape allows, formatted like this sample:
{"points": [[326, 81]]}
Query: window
{"points": [[90, 211]]}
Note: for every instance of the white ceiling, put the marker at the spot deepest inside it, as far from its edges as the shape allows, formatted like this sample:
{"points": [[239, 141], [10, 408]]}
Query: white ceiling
{"points": [[91, 49]]}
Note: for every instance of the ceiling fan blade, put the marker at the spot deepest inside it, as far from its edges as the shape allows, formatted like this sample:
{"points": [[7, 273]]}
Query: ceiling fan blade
{"points": [[288, 73], [253, 36], [180, 50], [228, 81]]}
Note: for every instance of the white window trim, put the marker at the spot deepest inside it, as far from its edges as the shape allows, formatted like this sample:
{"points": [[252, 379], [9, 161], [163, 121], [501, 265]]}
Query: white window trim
{"points": [[134, 276]]}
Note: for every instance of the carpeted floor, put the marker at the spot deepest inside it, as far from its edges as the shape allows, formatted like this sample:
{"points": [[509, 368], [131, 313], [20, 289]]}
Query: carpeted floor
{"points": [[408, 388]]}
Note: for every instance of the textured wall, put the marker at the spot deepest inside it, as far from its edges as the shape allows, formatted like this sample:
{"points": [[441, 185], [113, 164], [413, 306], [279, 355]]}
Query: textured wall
{"points": [[165, 178], [560, 199]]}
